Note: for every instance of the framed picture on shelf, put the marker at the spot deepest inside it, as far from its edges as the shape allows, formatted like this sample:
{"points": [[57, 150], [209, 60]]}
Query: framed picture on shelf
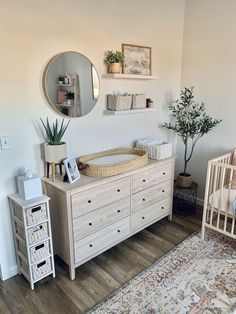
{"points": [[137, 59], [72, 170]]}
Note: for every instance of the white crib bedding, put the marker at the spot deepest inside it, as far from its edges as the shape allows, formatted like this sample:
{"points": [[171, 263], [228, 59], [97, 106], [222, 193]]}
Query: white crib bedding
{"points": [[223, 200]]}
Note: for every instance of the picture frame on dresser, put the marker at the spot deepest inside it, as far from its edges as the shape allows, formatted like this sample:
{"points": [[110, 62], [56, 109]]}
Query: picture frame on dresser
{"points": [[137, 59], [72, 170]]}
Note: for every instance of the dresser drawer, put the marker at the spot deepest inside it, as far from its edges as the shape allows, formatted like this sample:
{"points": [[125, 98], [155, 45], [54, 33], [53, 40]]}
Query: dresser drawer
{"points": [[86, 201], [151, 196], [151, 214], [97, 242], [100, 218], [145, 179]]}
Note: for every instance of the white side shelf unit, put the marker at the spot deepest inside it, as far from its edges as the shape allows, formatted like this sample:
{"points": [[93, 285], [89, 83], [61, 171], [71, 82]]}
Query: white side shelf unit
{"points": [[130, 76], [33, 237]]}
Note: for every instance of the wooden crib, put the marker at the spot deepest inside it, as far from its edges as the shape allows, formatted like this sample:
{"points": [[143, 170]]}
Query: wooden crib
{"points": [[220, 193]]}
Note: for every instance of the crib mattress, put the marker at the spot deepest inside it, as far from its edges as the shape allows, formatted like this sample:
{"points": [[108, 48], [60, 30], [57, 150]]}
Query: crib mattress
{"points": [[224, 200]]}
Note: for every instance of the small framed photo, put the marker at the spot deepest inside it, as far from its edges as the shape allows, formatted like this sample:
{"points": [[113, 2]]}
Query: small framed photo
{"points": [[137, 59], [71, 169]]}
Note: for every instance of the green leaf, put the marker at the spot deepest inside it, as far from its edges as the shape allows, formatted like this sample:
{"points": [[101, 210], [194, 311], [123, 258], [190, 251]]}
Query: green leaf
{"points": [[55, 133]]}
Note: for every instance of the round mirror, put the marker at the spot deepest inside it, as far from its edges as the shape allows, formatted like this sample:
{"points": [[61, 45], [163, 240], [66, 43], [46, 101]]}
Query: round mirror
{"points": [[71, 84]]}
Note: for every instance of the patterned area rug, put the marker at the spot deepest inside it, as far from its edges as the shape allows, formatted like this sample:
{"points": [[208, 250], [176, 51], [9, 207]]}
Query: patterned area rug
{"points": [[196, 277]]}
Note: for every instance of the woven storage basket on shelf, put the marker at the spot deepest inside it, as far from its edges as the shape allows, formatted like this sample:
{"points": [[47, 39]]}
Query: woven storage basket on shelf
{"points": [[37, 252], [119, 102], [93, 170], [36, 214], [33, 215], [38, 233], [41, 269]]}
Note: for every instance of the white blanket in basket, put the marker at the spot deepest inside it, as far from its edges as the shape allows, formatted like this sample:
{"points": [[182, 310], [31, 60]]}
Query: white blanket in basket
{"points": [[224, 199]]}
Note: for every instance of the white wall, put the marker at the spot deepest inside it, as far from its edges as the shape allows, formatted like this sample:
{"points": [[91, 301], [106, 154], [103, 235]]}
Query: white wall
{"points": [[209, 52], [31, 33]]}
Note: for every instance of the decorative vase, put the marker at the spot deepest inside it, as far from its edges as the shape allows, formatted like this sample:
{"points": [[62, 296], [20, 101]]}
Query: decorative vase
{"points": [[55, 153], [184, 181], [114, 68]]}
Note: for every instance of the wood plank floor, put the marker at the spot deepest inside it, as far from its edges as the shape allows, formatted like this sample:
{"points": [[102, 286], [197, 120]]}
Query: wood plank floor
{"points": [[99, 277]]}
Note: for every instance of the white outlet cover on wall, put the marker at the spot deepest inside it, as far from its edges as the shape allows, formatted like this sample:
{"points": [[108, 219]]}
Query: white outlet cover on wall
{"points": [[4, 141]]}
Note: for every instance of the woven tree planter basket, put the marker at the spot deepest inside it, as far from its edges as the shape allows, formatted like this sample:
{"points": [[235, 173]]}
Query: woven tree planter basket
{"points": [[93, 170], [184, 181]]}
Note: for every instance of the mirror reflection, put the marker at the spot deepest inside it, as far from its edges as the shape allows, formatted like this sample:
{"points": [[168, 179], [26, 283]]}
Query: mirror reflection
{"points": [[71, 84]]}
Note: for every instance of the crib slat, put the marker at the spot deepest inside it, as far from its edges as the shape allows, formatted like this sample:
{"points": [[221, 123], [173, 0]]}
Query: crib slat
{"points": [[233, 224], [213, 194], [228, 203]]}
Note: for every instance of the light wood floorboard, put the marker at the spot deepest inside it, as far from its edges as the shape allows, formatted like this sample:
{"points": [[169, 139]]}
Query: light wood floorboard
{"points": [[99, 277]]}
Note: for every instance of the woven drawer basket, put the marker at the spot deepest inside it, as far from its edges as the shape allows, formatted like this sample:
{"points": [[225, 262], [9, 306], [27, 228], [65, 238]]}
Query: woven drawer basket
{"points": [[37, 252], [33, 215], [36, 214], [42, 269], [38, 233], [38, 270]]}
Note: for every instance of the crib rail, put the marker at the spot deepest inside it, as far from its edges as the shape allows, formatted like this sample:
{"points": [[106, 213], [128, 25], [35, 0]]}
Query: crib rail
{"points": [[219, 191]]}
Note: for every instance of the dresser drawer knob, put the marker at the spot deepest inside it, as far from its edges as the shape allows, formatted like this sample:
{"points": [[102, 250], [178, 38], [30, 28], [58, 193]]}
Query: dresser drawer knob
{"points": [[164, 173], [144, 180], [163, 191], [90, 245], [89, 201], [118, 190], [143, 217], [162, 207], [144, 199], [90, 224], [118, 210], [118, 230]]}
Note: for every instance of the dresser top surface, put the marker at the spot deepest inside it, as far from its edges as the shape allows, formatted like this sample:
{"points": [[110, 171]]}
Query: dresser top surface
{"points": [[86, 181]]}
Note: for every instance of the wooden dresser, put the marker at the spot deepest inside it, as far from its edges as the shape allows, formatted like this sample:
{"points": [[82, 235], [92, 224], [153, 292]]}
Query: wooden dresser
{"points": [[93, 214]]}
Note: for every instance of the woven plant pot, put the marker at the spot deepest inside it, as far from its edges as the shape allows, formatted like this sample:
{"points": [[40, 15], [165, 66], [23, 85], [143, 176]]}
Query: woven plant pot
{"points": [[114, 68], [184, 181], [55, 153]]}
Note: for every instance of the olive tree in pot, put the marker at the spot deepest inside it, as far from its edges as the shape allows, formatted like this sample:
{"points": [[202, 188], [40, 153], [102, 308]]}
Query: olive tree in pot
{"points": [[54, 148], [190, 122]]}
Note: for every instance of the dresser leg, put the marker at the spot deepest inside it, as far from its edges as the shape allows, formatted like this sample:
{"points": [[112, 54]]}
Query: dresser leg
{"points": [[170, 217], [72, 273]]}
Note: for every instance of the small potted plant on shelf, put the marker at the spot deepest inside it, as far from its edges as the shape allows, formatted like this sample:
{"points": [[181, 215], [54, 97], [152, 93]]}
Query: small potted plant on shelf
{"points": [[114, 60], [54, 148], [190, 122]]}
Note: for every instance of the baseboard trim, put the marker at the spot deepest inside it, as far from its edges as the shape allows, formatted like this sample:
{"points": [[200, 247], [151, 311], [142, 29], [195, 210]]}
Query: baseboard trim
{"points": [[200, 201], [12, 271]]}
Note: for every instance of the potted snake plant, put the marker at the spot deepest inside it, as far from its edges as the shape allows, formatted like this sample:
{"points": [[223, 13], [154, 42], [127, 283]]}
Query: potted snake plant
{"points": [[54, 148]]}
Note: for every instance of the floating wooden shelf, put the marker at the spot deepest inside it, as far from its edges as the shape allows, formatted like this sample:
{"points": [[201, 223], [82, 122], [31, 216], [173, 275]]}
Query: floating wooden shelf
{"points": [[130, 76], [131, 111]]}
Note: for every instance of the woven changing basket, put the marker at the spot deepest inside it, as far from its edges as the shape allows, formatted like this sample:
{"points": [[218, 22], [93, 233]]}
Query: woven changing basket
{"points": [[93, 170]]}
